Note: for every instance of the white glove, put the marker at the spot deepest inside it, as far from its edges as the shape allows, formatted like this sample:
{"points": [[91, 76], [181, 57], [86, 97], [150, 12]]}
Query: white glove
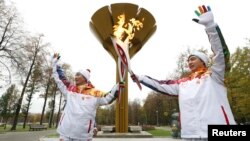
{"points": [[205, 15], [133, 77], [115, 88], [55, 58]]}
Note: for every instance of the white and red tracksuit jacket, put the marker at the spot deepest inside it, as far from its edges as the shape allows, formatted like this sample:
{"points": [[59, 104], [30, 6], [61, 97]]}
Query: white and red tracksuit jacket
{"points": [[78, 118], [202, 100]]}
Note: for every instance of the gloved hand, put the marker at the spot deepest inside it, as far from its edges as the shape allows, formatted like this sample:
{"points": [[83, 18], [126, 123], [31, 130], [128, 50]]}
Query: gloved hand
{"points": [[205, 15], [55, 58], [135, 76], [117, 87]]}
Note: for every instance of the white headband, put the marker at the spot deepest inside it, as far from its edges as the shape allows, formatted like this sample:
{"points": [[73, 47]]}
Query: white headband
{"points": [[200, 55], [85, 73]]}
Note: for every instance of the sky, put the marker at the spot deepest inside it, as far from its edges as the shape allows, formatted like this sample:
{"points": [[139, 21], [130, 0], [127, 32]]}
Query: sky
{"points": [[65, 24]]}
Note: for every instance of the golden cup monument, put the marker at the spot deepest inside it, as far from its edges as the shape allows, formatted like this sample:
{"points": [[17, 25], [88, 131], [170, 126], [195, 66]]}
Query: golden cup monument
{"points": [[122, 29]]}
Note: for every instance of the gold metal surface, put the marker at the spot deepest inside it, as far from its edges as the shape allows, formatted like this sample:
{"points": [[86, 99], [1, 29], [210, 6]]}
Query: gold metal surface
{"points": [[101, 24]]}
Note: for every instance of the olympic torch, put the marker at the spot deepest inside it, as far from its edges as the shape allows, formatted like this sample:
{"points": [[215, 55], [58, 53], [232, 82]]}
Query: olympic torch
{"points": [[123, 33], [121, 49]]}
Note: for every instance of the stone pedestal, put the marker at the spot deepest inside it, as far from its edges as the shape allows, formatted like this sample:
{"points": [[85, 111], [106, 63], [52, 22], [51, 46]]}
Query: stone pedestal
{"points": [[133, 132]]}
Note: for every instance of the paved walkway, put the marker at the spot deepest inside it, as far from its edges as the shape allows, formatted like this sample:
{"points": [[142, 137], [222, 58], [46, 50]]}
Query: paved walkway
{"points": [[25, 136], [120, 139], [41, 136], [126, 139]]}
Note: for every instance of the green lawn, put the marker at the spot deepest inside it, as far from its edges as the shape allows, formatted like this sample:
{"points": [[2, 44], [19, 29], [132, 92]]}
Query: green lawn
{"points": [[160, 133], [53, 136], [155, 132], [19, 128]]}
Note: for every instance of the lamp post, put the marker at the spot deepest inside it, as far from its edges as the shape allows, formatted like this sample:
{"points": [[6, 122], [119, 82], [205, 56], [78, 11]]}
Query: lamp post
{"points": [[157, 124]]}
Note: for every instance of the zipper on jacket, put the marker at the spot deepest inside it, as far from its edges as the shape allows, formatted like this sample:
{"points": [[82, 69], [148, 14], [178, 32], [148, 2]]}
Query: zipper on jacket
{"points": [[62, 118], [225, 115], [90, 123]]}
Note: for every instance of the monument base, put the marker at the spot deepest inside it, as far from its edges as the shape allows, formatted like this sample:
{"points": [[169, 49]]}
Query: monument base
{"points": [[142, 134], [134, 132]]}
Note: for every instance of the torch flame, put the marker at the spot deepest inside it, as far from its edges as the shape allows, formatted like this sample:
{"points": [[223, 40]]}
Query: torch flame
{"points": [[126, 31]]}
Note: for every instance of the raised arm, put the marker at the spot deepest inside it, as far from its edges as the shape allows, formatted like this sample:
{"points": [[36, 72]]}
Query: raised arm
{"points": [[220, 63], [62, 76], [55, 75]]}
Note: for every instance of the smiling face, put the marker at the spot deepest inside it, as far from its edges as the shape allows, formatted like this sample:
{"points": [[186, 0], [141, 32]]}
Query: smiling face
{"points": [[195, 63], [79, 79]]}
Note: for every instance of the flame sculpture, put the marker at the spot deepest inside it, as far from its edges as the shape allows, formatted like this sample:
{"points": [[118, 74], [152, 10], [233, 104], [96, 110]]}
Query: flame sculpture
{"points": [[122, 29]]}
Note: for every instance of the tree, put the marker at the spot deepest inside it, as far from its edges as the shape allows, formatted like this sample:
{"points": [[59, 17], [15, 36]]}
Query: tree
{"points": [[52, 105], [8, 103], [32, 87], [150, 107], [238, 80], [134, 111], [45, 96], [106, 111], [33, 47], [11, 35]]}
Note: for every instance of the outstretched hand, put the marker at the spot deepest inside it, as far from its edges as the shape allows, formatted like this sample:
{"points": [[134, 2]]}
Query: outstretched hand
{"points": [[122, 84], [134, 77], [117, 87], [205, 15], [55, 57]]}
